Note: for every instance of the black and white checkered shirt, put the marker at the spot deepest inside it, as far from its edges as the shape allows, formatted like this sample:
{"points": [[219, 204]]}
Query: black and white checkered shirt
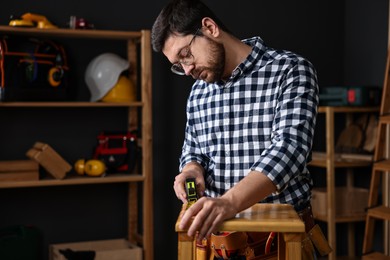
{"points": [[261, 119]]}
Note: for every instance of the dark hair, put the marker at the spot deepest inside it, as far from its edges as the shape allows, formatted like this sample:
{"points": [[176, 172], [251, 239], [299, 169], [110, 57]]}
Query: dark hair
{"points": [[182, 17]]}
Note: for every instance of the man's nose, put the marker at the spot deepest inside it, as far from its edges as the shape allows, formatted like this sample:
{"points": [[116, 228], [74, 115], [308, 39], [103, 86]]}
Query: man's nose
{"points": [[188, 69]]}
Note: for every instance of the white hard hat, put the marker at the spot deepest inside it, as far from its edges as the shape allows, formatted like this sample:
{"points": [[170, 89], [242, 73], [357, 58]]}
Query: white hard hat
{"points": [[102, 74]]}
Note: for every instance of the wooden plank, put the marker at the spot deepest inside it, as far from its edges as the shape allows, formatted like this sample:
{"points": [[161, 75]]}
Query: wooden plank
{"points": [[102, 34], [18, 165], [75, 180], [71, 104], [49, 159], [19, 176], [330, 181], [147, 148], [261, 218], [132, 204]]}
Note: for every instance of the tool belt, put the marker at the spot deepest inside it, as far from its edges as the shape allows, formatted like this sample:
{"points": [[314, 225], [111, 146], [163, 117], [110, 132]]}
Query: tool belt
{"points": [[261, 246]]}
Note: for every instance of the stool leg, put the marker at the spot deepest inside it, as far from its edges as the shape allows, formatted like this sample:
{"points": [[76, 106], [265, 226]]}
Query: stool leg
{"points": [[293, 246], [281, 247], [185, 247], [369, 234]]}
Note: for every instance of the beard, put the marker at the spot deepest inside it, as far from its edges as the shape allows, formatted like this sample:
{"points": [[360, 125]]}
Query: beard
{"points": [[215, 64]]}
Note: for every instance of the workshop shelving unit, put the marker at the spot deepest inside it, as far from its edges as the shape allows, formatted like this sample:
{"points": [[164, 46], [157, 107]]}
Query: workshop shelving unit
{"points": [[330, 162], [139, 114], [379, 210]]}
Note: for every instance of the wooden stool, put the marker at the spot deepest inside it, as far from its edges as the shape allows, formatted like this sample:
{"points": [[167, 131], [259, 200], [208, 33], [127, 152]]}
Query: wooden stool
{"points": [[280, 218]]}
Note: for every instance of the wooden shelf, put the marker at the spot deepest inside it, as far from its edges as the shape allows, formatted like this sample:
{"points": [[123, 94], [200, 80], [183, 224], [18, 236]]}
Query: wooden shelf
{"points": [[330, 161], [138, 48], [379, 184], [70, 104], [73, 180], [323, 109], [339, 163], [375, 256], [383, 165], [319, 159], [380, 212], [343, 219], [72, 33]]}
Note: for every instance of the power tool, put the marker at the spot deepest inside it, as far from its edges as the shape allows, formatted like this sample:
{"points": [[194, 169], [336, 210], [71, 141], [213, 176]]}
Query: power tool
{"points": [[31, 20]]}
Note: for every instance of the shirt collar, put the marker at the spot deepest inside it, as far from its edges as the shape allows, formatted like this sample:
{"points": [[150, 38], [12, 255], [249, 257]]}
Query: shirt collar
{"points": [[258, 49]]}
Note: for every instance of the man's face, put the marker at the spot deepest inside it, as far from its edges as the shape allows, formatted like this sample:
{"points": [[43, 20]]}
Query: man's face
{"points": [[206, 57]]}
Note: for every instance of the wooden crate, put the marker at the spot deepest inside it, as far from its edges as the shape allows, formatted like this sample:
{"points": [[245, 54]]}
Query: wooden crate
{"points": [[349, 201], [115, 249]]}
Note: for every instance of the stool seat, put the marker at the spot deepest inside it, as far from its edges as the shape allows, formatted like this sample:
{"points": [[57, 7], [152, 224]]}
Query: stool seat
{"points": [[281, 218]]}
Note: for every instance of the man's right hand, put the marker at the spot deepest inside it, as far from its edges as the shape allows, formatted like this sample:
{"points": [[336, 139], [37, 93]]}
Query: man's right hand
{"points": [[190, 170]]}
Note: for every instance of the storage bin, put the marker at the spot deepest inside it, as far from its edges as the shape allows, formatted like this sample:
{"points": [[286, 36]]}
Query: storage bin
{"points": [[20, 242], [116, 249], [348, 201]]}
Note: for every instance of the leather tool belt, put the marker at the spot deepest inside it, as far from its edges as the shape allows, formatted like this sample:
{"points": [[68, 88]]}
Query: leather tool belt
{"points": [[257, 245]]}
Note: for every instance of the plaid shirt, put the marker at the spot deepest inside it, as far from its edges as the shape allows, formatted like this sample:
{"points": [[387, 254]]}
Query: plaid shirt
{"points": [[261, 119]]}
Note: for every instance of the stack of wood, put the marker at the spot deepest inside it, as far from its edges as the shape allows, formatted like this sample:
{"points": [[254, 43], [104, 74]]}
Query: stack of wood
{"points": [[49, 159], [19, 170], [41, 154]]}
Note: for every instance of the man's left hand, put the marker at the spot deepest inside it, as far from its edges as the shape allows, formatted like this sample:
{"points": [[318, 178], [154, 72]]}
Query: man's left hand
{"points": [[206, 215]]}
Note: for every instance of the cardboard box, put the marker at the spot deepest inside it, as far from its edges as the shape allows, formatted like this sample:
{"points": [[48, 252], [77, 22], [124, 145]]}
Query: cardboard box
{"points": [[19, 170], [349, 201], [49, 159], [116, 249]]}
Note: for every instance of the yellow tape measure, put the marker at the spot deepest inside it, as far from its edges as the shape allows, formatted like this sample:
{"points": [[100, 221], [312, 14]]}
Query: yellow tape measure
{"points": [[192, 195]]}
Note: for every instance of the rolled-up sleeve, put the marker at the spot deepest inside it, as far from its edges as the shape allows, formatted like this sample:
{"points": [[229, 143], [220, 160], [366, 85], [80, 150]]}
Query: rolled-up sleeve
{"points": [[293, 126]]}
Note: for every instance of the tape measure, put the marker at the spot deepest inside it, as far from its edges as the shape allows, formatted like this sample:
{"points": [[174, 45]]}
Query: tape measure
{"points": [[192, 195]]}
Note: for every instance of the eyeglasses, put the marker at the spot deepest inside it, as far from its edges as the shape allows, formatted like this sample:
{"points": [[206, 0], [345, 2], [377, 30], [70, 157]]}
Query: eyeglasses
{"points": [[185, 58]]}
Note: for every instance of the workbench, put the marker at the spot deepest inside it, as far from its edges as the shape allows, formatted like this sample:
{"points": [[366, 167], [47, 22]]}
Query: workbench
{"points": [[281, 218]]}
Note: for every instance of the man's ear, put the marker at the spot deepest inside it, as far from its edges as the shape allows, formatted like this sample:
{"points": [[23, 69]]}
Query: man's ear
{"points": [[210, 27]]}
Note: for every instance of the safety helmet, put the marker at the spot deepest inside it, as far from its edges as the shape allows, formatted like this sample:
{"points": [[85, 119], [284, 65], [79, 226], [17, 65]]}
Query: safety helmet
{"points": [[122, 91], [102, 73]]}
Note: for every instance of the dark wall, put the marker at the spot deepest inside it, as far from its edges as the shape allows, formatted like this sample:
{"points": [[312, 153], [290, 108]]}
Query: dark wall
{"points": [[365, 44], [329, 33]]}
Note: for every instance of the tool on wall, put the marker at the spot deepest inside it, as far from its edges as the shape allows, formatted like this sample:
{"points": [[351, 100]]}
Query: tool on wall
{"points": [[31, 20], [118, 150], [32, 69], [79, 23]]}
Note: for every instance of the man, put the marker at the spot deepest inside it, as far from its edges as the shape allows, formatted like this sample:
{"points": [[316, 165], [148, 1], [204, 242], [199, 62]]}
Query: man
{"points": [[250, 117]]}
